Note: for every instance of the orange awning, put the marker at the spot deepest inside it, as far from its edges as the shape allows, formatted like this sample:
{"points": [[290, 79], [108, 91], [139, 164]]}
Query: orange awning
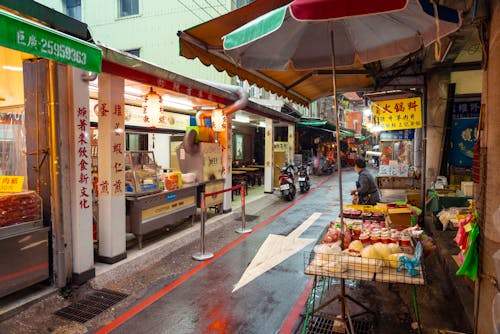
{"points": [[204, 42]]}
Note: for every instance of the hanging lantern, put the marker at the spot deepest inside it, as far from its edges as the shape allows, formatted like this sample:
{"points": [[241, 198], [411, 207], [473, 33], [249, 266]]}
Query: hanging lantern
{"points": [[152, 108], [218, 120]]}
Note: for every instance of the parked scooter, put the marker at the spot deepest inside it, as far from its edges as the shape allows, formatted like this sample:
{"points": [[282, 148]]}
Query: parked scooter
{"points": [[328, 168], [304, 180], [287, 183]]}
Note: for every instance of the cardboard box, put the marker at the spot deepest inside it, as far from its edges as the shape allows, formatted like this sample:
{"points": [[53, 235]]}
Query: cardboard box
{"points": [[399, 217], [414, 198], [467, 188]]}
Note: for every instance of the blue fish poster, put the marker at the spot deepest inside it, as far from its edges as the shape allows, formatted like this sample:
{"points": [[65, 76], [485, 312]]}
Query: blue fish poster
{"points": [[463, 137]]}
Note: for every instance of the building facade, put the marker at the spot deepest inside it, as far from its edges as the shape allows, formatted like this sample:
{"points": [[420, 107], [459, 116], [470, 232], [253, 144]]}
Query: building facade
{"points": [[147, 29]]}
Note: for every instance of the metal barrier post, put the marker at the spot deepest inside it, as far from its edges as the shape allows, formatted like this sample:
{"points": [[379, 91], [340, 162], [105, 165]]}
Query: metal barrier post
{"points": [[242, 229], [201, 255]]}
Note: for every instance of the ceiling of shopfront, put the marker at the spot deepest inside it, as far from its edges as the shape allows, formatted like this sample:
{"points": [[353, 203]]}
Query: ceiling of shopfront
{"points": [[177, 102], [173, 101], [11, 78]]}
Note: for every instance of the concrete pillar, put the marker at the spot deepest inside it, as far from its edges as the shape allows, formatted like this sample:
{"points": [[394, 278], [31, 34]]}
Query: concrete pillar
{"points": [[488, 191], [81, 178], [111, 162], [291, 142], [437, 92], [269, 157]]}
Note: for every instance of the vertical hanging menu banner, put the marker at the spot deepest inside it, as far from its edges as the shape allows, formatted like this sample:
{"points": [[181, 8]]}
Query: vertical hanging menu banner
{"points": [[83, 158], [118, 149]]}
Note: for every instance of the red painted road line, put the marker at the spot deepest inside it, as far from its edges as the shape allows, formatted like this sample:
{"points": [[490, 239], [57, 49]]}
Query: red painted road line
{"points": [[25, 271], [294, 315], [150, 300]]}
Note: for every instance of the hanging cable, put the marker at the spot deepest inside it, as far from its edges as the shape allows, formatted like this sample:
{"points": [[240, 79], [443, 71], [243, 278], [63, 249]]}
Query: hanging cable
{"points": [[189, 9], [203, 9], [210, 5], [223, 6], [437, 46]]}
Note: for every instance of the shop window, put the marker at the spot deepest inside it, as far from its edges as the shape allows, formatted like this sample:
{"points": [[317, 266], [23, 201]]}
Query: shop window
{"points": [[241, 3], [136, 141], [73, 8], [128, 7]]}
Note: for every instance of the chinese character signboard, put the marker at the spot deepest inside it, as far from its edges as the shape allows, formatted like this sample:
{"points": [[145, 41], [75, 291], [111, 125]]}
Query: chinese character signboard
{"points": [[468, 109], [11, 184], [118, 150], [398, 135], [280, 146], [398, 114], [83, 175], [23, 35]]}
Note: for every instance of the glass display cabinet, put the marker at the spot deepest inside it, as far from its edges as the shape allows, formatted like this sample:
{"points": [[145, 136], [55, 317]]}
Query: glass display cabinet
{"points": [[140, 173]]}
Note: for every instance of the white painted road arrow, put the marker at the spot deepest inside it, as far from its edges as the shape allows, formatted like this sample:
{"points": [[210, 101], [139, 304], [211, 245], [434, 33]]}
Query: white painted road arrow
{"points": [[275, 250]]}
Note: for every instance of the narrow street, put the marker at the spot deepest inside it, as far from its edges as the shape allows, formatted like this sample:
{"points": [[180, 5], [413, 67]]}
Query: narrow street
{"points": [[254, 284], [205, 301]]}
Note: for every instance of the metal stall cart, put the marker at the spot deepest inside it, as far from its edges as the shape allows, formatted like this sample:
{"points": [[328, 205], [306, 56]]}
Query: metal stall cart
{"points": [[149, 208], [205, 162], [24, 242]]}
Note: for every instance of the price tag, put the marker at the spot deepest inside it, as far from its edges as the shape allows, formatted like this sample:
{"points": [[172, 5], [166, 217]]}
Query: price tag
{"points": [[468, 227], [11, 184]]}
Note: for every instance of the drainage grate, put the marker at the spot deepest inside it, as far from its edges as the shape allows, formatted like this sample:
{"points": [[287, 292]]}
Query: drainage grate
{"points": [[323, 324], [91, 306], [248, 218]]}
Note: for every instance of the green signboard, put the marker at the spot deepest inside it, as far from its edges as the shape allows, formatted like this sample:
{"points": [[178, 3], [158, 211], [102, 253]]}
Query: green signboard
{"points": [[23, 35]]}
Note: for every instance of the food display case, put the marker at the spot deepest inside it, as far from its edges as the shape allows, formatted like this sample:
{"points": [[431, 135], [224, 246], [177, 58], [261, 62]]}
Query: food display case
{"points": [[148, 207], [141, 173], [24, 241]]}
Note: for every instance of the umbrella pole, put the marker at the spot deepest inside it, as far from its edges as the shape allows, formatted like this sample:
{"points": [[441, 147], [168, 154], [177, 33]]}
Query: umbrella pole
{"points": [[339, 167]]}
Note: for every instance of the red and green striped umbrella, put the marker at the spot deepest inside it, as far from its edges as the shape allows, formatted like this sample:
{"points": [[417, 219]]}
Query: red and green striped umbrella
{"points": [[298, 34]]}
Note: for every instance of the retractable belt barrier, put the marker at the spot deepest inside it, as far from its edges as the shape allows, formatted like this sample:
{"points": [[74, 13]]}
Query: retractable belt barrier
{"points": [[202, 255]]}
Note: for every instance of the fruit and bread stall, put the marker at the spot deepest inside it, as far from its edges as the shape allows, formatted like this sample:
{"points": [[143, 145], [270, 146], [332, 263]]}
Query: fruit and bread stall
{"points": [[374, 247]]}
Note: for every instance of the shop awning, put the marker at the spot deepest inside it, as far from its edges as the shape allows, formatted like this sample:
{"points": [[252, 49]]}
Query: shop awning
{"points": [[324, 125], [24, 35], [204, 42]]}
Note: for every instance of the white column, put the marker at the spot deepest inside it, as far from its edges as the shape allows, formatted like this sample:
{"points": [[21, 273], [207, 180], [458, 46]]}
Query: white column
{"points": [[111, 145], [81, 178], [227, 162], [269, 157], [291, 143]]}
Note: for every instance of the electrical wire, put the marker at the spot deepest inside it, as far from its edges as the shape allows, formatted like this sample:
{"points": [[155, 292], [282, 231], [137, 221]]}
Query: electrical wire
{"points": [[203, 9], [189, 9], [223, 6], [210, 5]]}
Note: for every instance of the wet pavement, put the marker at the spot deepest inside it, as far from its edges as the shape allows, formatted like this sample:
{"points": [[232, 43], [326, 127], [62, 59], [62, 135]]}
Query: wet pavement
{"points": [[179, 295]]}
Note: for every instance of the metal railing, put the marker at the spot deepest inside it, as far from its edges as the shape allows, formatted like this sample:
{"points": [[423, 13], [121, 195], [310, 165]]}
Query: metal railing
{"points": [[202, 254]]}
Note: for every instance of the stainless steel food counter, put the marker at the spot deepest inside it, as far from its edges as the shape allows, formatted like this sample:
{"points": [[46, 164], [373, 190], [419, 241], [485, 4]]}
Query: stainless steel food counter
{"points": [[148, 213], [24, 259]]}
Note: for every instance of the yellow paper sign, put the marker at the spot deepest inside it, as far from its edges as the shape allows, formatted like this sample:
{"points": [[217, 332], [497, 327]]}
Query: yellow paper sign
{"points": [[11, 184], [398, 114]]}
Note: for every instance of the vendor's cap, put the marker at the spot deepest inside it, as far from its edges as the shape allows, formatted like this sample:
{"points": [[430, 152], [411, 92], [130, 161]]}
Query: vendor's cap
{"points": [[360, 163]]}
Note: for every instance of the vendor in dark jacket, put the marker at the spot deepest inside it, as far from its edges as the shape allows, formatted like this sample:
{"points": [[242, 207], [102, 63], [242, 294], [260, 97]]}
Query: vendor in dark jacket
{"points": [[366, 187]]}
